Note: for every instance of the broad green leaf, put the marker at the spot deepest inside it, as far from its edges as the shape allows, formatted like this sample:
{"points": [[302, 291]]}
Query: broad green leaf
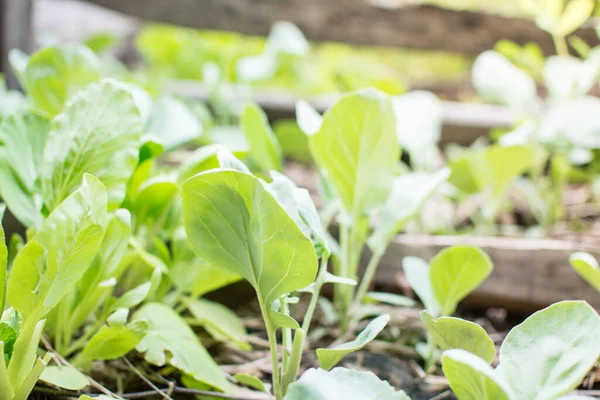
{"points": [[228, 160], [152, 200], [220, 322], [505, 164], [56, 258], [416, 272], [309, 120], [471, 378], [357, 127], [202, 159], [54, 74], [455, 333], [98, 133], [497, 80], [173, 122], [549, 354], [112, 342], [252, 382], [232, 221], [8, 336], [409, 192], [64, 377], [328, 358], [576, 12], [587, 267], [455, 272], [265, 151], [342, 384], [170, 340]]}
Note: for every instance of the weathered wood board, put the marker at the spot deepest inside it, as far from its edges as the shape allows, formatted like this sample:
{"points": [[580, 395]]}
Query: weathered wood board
{"points": [[401, 23], [528, 273], [16, 32]]}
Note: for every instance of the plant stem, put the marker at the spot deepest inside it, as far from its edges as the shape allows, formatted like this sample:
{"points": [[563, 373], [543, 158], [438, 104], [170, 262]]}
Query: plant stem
{"points": [[341, 291], [34, 375], [272, 336], [286, 335], [367, 278], [560, 44], [315, 295]]}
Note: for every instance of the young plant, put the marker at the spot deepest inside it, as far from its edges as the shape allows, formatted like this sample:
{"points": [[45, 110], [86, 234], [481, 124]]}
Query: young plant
{"points": [[233, 221], [587, 267], [449, 277], [544, 358]]}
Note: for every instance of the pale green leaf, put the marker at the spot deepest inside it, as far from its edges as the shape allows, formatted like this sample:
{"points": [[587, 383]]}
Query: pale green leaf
{"points": [[505, 164], [455, 333], [54, 74], [56, 258], [232, 221], [416, 272], [471, 378], [342, 384], [64, 377], [3, 267], [455, 272], [202, 159], [228, 160], [220, 322], [173, 122], [98, 133], [328, 358], [309, 120], [112, 342], [357, 127], [170, 340], [587, 267], [252, 382], [576, 12], [409, 192], [152, 199], [549, 354], [265, 151], [389, 298]]}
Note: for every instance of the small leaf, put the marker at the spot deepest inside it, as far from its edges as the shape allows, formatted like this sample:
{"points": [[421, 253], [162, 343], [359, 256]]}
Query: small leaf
{"points": [[455, 333], [112, 342], [220, 322], [252, 382], [265, 151], [64, 377], [549, 354], [587, 267], [228, 160], [328, 358], [576, 12], [358, 126], [471, 378], [455, 272], [390, 298], [309, 120], [8, 336], [173, 122], [170, 339], [342, 384], [416, 272]]}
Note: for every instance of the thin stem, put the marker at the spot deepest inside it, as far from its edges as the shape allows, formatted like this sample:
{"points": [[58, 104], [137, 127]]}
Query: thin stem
{"points": [[341, 291], [146, 380], [272, 336], [315, 295], [286, 334], [560, 43], [367, 279]]}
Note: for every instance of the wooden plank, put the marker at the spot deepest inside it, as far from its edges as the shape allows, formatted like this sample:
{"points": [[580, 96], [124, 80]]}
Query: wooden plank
{"points": [[463, 122], [528, 273], [354, 21], [16, 33]]}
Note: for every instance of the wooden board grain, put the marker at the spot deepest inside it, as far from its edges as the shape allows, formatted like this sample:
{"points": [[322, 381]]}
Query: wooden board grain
{"points": [[404, 24], [528, 273], [16, 32]]}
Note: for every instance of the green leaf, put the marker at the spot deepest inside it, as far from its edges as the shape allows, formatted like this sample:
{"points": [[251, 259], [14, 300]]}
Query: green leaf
{"points": [[112, 342], [587, 267], [497, 80], [471, 378], [98, 133], [575, 14], [549, 354], [152, 199], [455, 272], [416, 272], [232, 221], [342, 384], [265, 151], [358, 126], [170, 339], [101, 42], [252, 382], [54, 74], [220, 322], [202, 159], [389, 298], [56, 258], [455, 333], [64, 377], [309, 120], [8, 336], [328, 358], [228, 160], [505, 164], [173, 122], [3, 267], [409, 192]]}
